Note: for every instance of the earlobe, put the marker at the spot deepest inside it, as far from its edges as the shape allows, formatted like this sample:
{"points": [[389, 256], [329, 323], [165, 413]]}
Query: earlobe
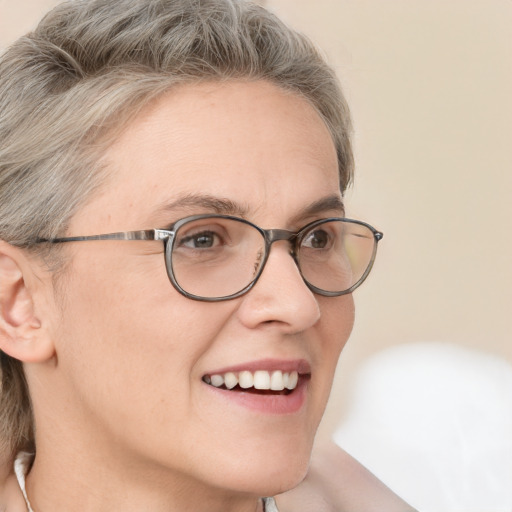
{"points": [[21, 332]]}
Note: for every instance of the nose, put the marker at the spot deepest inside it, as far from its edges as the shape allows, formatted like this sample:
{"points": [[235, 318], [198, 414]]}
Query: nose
{"points": [[280, 297]]}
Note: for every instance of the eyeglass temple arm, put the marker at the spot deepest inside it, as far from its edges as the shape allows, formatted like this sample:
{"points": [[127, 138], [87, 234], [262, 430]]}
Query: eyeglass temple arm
{"points": [[147, 234]]}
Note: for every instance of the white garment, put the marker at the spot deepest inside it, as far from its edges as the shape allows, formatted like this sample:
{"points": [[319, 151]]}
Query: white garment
{"points": [[21, 466], [23, 461], [269, 505]]}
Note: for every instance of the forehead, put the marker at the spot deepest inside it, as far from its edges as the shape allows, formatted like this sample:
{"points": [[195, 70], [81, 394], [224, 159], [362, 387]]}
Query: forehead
{"points": [[250, 143]]}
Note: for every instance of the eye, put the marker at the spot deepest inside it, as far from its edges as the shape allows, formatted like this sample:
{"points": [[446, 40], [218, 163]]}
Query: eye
{"points": [[317, 239], [201, 240]]}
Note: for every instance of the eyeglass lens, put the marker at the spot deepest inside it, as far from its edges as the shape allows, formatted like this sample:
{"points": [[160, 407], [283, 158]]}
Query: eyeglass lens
{"points": [[218, 257]]}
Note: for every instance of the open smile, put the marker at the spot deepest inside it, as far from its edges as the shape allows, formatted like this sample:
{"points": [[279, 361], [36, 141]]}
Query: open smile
{"points": [[275, 382], [267, 386]]}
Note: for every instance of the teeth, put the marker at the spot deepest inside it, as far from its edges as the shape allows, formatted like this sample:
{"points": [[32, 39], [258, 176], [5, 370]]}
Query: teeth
{"points": [[292, 382], [261, 379], [217, 380], [277, 381], [230, 380], [245, 380]]}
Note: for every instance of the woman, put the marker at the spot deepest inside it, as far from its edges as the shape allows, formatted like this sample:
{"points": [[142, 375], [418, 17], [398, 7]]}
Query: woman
{"points": [[160, 349]]}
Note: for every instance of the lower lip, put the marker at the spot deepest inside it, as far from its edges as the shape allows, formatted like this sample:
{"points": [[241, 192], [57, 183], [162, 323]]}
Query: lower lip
{"points": [[267, 404]]}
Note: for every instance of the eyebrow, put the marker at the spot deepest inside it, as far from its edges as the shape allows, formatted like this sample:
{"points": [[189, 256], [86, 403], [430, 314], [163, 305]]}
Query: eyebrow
{"points": [[329, 203], [224, 206], [219, 205]]}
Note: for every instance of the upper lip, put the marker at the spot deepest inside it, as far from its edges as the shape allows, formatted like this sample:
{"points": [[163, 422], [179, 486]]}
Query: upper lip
{"points": [[300, 366]]}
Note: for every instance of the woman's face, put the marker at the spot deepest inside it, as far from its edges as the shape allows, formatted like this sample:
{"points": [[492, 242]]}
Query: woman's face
{"points": [[133, 353]]}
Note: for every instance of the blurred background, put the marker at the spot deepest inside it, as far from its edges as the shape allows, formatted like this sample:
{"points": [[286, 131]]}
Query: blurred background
{"points": [[430, 88]]}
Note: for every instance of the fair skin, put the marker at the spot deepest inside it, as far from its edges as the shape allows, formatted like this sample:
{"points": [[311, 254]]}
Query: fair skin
{"points": [[115, 356]]}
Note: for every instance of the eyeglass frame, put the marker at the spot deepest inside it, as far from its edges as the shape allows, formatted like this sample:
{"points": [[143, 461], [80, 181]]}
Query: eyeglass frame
{"points": [[167, 236]]}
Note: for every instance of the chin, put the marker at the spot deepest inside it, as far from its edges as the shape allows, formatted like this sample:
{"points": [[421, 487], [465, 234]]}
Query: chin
{"points": [[284, 480], [269, 471]]}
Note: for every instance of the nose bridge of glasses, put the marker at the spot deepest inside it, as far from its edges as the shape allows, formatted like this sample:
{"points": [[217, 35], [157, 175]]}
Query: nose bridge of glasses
{"points": [[275, 235]]}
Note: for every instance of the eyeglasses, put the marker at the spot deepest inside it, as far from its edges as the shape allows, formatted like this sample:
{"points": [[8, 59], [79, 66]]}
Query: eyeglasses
{"points": [[220, 257]]}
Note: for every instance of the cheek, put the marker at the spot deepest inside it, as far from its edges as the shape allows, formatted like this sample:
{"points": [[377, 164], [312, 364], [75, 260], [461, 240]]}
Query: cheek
{"points": [[337, 322], [126, 330], [129, 354], [335, 327]]}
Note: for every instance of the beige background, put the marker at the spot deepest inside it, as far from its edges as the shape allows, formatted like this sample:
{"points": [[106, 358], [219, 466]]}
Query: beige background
{"points": [[430, 86]]}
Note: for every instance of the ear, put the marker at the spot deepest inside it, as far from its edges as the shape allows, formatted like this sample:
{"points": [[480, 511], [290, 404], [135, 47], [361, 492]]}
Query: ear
{"points": [[23, 335]]}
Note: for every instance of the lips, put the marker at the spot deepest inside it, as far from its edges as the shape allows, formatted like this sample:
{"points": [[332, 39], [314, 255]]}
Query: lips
{"points": [[268, 387]]}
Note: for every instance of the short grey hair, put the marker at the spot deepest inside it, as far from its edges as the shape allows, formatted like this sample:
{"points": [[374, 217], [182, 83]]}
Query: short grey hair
{"points": [[67, 88]]}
